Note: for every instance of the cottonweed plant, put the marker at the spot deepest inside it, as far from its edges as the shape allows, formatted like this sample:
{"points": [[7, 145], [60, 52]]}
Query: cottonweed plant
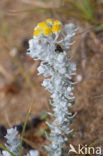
{"points": [[13, 143], [50, 44], [12, 147]]}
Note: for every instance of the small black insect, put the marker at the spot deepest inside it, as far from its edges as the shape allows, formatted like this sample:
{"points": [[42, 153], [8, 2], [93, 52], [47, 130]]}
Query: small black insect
{"points": [[58, 48], [19, 127]]}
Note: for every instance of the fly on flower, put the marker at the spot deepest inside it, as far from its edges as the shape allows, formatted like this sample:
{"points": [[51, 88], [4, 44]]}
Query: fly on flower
{"points": [[58, 48]]}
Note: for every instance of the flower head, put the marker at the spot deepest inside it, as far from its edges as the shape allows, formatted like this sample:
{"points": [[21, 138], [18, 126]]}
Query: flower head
{"points": [[49, 21], [42, 25], [47, 31], [56, 28], [57, 22], [37, 32], [47, 28]]}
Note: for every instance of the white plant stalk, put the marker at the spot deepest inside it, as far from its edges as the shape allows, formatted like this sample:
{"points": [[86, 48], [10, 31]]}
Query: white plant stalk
{"points": [[50, 44], [13, 142]]}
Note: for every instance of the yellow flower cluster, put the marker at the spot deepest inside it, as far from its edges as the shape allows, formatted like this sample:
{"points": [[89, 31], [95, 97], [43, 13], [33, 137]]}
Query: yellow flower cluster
{"points": [[47, 28]]}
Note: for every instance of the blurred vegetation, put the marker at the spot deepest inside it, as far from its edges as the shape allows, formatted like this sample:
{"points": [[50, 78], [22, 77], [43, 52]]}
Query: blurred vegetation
{"points": [[86, 11], [44, 115], [83, 9]]}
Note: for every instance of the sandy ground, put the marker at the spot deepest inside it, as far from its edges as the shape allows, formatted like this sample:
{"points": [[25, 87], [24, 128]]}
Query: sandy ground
{"points": [[20, 86]]}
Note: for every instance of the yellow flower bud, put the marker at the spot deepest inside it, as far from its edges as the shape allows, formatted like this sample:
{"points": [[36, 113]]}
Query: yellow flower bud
{"points": [[56, 28], [57, 22], [42, 25], [47, 31], [49, 21], [37, 32]]}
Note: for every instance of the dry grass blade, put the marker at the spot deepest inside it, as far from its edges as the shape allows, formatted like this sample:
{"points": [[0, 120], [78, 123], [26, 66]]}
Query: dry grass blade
{"points": [[97, 42], [6, 74]]}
